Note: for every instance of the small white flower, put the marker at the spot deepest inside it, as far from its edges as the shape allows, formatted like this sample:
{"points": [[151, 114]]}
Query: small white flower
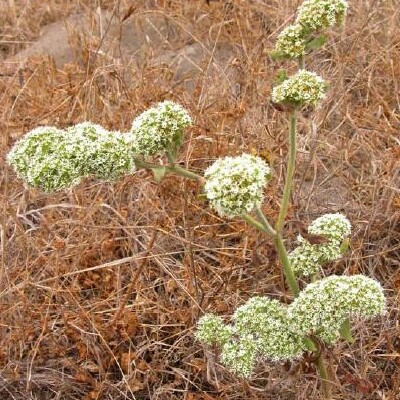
{"points": [[234, 185], [322, 307], [304, 88], [321, 14], [291, 42], [159, 129]]}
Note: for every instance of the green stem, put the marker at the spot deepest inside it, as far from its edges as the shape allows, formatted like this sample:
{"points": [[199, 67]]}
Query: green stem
{"points": [[174, 168], [287, 268], [261, 217], [185, 173], [257, 224], [301, 62], [324, 377], [144, 164], [263, 225], [171, 158], [289, 173]]}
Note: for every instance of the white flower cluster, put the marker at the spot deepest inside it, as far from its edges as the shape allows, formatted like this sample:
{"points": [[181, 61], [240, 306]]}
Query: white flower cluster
{"points": [[322, 307], [260, 330], [321, 14], [240, 356], [333, 226], [43, 159], [291, 42], [313, 15], [160, 128], [303, 88], [266, 321], [53, 159], [102, 154], [308, 258], [234, 185], [264, 328]]}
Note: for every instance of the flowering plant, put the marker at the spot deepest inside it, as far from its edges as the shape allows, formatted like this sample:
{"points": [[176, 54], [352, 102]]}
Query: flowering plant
{"points": [[262, 328]]}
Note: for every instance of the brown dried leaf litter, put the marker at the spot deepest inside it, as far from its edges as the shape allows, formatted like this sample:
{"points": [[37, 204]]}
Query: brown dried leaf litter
{"points": [[102, 286]]}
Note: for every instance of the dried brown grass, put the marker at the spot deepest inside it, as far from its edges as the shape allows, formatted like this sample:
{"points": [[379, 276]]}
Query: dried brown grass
{"points": [[101, 286]]}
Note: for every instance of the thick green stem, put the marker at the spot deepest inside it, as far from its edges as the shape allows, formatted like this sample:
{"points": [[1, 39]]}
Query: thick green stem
{"points": [[263, 225], [289, 173], [185, 172], [324, 377], [287, 268]]}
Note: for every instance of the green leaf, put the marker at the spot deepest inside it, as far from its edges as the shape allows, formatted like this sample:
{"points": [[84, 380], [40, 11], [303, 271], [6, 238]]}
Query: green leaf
{"points": [[281, 76], [345, 331], [159, 173], [316, 43]]}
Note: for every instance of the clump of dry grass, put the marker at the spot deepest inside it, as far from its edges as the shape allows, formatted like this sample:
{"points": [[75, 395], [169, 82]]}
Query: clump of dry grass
{"points": [[101, 287]]}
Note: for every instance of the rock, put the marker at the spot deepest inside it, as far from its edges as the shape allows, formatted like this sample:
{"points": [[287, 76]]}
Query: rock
{"points": [[143, 39]]}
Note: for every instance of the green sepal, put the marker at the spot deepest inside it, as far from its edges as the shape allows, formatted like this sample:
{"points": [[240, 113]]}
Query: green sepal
{"points": [[344, 246], [202, 196], [278, 55], [159, 173], [316, 43], [175, 146], [310, 345], [345, 331], [281, 76]]}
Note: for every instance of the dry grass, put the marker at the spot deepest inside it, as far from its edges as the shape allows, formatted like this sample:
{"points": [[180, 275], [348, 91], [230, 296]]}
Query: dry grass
{"points": [[101, 287]]}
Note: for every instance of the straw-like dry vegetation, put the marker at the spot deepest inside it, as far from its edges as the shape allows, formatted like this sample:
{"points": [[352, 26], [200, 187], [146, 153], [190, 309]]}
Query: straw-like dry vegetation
{"points": [[102, 285]]}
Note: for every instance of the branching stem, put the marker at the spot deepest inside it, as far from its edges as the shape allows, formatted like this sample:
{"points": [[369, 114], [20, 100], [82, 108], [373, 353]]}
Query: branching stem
{"points": [[172, 168]]}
